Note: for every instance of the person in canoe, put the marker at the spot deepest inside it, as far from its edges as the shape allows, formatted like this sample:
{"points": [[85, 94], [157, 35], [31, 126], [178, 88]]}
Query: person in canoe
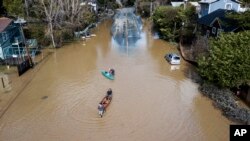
{"points": [[100, 109], [112, 71], [109, 94], [105, 102]]}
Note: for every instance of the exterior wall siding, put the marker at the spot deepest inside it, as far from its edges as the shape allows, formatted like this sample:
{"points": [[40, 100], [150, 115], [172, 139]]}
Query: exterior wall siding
{"points": [[222, 5], [1, 38], [12, 31]]}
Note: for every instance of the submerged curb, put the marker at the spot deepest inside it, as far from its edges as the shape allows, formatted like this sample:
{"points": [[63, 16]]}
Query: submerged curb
{"points": [[225, 100]]}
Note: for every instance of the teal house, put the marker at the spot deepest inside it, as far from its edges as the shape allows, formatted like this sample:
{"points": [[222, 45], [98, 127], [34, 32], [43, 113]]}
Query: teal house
{"points": [[11, 39]]}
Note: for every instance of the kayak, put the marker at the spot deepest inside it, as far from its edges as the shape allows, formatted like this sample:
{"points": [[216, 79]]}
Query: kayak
{"points": [[107, 75]]}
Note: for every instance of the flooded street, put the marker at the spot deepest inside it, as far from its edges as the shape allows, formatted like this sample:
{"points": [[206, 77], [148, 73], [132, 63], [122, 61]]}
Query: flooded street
{"points": [[152, 101]]}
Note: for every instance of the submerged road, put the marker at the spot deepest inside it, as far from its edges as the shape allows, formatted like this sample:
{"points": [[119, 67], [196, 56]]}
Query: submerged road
{"points": [[153, 101]]}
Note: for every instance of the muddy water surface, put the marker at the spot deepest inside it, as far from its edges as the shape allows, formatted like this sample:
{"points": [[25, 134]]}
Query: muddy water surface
{"points": [[153, 101]]}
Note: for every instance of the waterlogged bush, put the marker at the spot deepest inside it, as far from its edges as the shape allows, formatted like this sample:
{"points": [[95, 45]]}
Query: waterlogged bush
{"points": [[226, 101]]}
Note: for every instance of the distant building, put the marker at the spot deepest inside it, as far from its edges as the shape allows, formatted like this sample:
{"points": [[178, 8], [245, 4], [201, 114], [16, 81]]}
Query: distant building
{"points": [[216, 22], [179, 3], [209, 6], [10, 33], [91, 3], [13, 43]]}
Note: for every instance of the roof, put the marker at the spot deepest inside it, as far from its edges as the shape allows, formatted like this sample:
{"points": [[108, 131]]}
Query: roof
{"points": [[220, 14], [194, 4], [4, 22], [177, 4], [88, 3], [20, 21], [207, 1]]}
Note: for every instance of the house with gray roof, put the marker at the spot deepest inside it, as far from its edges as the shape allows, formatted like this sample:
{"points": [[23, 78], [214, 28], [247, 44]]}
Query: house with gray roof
{"points": [[216, 22]]}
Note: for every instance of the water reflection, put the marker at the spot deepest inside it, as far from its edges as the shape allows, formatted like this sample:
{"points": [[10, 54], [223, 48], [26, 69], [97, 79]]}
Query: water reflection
{"points": [[134, 44], [174, 67], [126, 27]]}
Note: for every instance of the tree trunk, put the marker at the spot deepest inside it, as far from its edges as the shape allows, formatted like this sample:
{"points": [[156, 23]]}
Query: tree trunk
{"points": [[51, 34], [26, 8], [50, 13]]}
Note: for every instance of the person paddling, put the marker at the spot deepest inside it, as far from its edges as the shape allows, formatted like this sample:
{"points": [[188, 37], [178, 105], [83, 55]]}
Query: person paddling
{"points": [[112, 71], [100, 109], [109, 93]]}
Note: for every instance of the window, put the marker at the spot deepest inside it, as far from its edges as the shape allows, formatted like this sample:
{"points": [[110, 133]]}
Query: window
{"points": [[206, 7], [214, 30], [176, 58], [228, 6], [4, 36], [219, 31]]}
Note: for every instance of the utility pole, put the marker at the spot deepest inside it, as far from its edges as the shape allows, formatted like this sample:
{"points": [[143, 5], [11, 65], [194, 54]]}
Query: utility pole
{"points": [[19, 53], [136, 6], [126, 30], [25, 45], [151, 8]]}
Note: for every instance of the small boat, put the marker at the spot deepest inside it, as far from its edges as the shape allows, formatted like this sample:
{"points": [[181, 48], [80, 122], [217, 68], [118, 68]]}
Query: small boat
{"points": [[107, 75], [104, 104]]}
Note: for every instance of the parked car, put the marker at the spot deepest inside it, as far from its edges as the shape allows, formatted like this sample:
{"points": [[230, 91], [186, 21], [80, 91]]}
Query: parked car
{"points": [[173, 58]]}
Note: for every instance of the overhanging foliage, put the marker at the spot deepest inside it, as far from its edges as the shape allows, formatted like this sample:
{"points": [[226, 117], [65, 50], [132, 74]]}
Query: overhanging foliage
{"points": [[228, 63]]}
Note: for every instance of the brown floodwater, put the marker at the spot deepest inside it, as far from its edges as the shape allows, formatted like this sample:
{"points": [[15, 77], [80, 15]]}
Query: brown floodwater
{"points": [[153, 101]]}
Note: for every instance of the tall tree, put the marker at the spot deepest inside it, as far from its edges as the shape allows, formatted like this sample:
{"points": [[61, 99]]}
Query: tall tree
{"points": [[60, 15], [72, 11], [14, 8], [63, 14], [52, 10], [241, 19], [181, 22], [2, 9], [245, 3], [167, 25], [26, 5]]}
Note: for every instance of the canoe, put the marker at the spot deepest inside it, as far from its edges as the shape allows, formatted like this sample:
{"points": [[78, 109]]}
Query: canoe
{"points": [[105, 102], [107, 75]]}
